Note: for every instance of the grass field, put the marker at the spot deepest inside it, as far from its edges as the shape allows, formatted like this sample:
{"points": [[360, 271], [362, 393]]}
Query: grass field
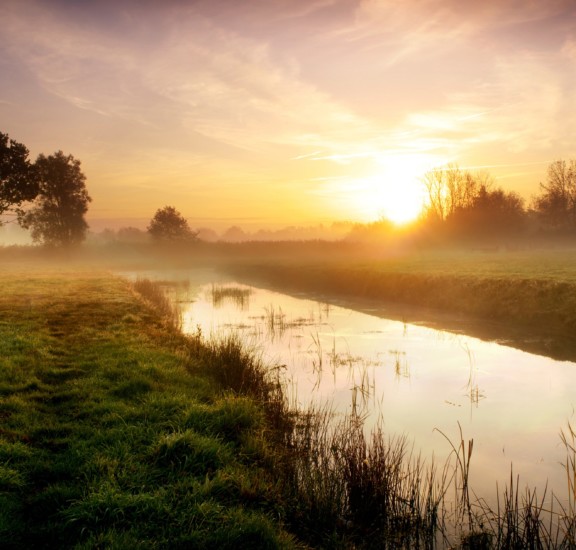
{"points": [[117, 431]]}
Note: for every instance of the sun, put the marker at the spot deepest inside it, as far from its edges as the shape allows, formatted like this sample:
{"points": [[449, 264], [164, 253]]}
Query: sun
{"points": [[395, 191]]}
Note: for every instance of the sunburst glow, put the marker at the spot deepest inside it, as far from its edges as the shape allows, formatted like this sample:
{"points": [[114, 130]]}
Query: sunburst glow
{"points": [[396, 192]]}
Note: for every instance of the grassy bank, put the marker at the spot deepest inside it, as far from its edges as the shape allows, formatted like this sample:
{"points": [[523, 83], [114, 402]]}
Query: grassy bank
{"points": [[528, 300], [112, 435]]}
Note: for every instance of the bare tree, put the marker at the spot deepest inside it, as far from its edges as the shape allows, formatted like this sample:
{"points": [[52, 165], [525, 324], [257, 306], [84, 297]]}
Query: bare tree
{"points": [[449, 189], [556, 204]]}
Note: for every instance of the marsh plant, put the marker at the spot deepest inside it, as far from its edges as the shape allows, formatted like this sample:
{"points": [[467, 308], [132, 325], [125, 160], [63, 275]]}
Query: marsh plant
{"points": [[154, 293], [240, 296], [350, 486], [368, 489], [401, 368]]}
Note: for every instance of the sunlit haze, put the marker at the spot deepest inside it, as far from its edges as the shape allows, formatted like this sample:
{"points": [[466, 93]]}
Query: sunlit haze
{"points": [[266, 113]]}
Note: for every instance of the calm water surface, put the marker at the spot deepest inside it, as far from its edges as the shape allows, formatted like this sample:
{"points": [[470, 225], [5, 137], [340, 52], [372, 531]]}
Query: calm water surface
{"points": [[413, 379]]}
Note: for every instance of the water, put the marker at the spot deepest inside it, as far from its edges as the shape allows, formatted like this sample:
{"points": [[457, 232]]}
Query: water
{"points": [[414, 380]]}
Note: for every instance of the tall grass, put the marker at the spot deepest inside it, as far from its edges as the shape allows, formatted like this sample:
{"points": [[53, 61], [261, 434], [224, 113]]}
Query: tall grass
{"points": [[239, 295], [368, 490], [154, 293], [237, 368]]}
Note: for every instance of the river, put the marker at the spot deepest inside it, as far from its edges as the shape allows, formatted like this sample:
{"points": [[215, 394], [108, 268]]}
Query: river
{"points": [[416, 381]]}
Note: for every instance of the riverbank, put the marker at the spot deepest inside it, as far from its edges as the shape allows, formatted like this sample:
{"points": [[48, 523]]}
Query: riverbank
{"points": [[531, 307], [112, 433]]}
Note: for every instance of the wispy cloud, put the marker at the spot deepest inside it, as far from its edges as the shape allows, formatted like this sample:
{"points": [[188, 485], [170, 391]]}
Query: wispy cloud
{"points": [[240, 91]]}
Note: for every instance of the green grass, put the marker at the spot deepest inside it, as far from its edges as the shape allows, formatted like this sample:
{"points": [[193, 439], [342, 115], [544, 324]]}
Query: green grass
{"points": [[117, 431], [109, 437]]}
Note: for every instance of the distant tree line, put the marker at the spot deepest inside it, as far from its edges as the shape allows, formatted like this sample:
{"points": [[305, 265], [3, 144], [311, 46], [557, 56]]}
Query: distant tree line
{"points": [[462, 205], [467, 206], [47, 196]]}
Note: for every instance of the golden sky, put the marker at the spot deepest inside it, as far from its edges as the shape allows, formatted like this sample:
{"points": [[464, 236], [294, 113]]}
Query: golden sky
{"points": [[277, 112]]}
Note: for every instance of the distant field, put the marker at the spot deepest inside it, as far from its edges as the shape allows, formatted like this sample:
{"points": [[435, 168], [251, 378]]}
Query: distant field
{"points": [[527, 298], [559, 265]]}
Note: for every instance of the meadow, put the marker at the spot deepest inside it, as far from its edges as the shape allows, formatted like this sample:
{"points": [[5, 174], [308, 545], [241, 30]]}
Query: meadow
{"points": [[113, 435], [118, 431]]}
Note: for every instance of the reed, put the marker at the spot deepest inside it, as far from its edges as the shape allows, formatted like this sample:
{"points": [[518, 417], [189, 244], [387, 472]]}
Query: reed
{"points": [[153, 292], [368, 490], [568, 526], [239, 295], [275, 321]]}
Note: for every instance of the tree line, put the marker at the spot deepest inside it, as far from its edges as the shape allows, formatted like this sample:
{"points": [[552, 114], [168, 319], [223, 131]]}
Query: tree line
{"points": [[460, 206], [463, 205], [47, 196]]}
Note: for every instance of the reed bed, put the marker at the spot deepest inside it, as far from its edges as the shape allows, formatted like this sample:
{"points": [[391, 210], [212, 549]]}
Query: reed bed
{"points": [[368, 490]]}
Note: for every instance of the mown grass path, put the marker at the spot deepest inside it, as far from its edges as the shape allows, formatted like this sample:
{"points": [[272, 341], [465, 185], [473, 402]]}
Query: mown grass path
{"points": [[110, 436]]}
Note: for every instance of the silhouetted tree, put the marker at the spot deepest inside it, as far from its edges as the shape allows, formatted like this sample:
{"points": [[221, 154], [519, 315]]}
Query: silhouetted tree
{"points": [[169, 225], [207, 234], [492, 213], [18, 183], [448, 189], [556, 204], [131, 235], [376, 232], [57, 215]]}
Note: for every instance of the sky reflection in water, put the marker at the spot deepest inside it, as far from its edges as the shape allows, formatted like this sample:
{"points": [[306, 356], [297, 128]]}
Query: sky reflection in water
{"points": [[415, 380]]}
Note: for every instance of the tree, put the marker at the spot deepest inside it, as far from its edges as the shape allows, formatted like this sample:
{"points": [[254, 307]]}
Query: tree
{"points": [[57, 215], [169, 225], [448, 189], [556, 204], [234, 234], [18, 183], [492, 214]]}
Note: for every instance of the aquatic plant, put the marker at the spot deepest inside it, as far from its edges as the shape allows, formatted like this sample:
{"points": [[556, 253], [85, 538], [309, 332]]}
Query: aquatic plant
{"points": [[239, 295]]}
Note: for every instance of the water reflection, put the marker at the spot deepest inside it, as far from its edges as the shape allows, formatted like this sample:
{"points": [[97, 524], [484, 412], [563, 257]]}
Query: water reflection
{"points": [[413, 379]]}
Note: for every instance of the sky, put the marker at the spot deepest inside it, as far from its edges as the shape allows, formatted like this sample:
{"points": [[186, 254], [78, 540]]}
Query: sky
{"points": [[263, 113]]}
